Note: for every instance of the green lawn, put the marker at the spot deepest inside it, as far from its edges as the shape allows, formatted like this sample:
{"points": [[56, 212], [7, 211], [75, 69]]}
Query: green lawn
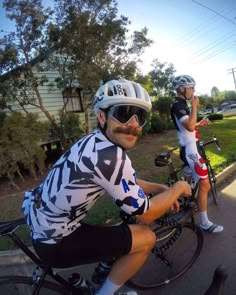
{"points": [[142, 156]]}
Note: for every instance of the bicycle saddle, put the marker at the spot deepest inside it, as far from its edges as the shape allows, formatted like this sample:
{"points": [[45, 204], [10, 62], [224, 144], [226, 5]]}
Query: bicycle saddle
{"points": [[162, 159], [9, 226]]}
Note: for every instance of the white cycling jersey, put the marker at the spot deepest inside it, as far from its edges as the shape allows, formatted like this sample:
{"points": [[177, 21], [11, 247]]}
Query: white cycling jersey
{"points": [[91, 167], [188, 141], [180, 112]]}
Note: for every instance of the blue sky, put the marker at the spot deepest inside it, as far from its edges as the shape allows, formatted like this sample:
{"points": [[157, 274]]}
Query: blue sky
{"points": [[198, 37], [198, 41]]}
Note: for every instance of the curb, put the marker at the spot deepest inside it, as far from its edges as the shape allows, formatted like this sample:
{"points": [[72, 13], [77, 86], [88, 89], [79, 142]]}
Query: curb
{"points": [[226, 172], [14, 257]]}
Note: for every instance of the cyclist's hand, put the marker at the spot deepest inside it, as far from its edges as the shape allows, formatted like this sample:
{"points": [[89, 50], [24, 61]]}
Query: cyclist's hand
{"points": [[183, 187], [194, 101], [204, 122]]}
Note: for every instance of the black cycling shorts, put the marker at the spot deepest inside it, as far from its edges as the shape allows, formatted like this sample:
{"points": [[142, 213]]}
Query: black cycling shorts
{"points": [[87, 244]]}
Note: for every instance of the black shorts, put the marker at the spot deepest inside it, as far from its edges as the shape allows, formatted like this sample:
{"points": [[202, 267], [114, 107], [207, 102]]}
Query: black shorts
{"points": [[87, 244]]}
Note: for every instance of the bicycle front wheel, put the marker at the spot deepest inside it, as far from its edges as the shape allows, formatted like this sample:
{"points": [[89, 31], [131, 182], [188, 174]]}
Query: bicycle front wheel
{"points": [[177, 248], [20, 285]]}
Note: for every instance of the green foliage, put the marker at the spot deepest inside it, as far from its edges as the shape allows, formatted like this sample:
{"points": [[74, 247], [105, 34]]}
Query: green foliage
{"points": [[70, 125], [2, 118], [157, 124], [20, 139], [225, 131], [213, 116], [161, 77], [163, 105], [91, 41], [147, 126], [99, 50]]}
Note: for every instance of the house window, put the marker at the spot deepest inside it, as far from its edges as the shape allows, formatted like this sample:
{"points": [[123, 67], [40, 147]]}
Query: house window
{"points": [[72, 100]]}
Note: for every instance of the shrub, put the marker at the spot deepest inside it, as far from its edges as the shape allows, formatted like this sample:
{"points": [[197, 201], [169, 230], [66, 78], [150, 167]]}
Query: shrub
{"points": [[147, 126], [157, 124], [211, 117]]}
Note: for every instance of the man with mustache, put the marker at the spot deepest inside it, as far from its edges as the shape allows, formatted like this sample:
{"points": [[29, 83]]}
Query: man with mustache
{"points": [[185, 121], [96, 164]]}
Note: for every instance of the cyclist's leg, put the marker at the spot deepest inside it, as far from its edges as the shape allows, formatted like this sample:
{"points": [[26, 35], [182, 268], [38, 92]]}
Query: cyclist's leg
{"points": [[203, 190], [89, 244], [199, 172], [143, 240]]}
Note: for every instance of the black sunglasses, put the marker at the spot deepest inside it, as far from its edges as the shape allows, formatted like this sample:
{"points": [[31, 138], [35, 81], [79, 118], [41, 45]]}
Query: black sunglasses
{"points": [[123, 113]]}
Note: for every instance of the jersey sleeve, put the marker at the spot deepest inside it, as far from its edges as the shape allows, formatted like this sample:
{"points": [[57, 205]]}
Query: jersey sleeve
{"points": [[180, 111], [118, 178]]}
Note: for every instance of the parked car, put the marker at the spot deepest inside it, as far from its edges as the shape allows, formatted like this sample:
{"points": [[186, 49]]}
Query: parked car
{"points": [[206, 112], [228, 111]]}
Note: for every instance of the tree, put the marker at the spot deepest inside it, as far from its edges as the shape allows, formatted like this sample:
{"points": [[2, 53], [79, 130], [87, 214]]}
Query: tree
{"points": [[89, 36], [96, 42], [161, 76], [17, 50], [163, 105]]}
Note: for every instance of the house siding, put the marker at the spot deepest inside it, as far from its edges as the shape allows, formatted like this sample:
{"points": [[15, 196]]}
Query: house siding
{"points": [[52, 99]]}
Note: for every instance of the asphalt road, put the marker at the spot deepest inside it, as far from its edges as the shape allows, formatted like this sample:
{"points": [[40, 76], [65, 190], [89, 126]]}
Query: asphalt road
{"points": [[218, 249]]}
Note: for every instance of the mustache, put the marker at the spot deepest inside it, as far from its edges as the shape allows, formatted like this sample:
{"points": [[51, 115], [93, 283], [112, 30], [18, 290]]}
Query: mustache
{"points": [[129, 130]]}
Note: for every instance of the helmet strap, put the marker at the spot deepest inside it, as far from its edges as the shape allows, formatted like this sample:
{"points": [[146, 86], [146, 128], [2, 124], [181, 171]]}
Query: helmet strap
{"points": [[183, 93]]}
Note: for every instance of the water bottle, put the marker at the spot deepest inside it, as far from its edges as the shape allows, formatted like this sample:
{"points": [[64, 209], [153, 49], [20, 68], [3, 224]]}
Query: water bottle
{"points": [[101, 271]]}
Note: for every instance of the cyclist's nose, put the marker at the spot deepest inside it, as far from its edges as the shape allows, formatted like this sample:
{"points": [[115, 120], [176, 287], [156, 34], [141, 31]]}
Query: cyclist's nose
{"points": [[133, 121]]}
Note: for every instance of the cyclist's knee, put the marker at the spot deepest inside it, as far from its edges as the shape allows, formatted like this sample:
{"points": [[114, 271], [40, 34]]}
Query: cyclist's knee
{"points": [[205, 185], [143, 238]]}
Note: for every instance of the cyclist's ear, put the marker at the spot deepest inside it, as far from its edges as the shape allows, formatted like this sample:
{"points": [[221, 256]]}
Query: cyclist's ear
{"points": [[101, 117]]}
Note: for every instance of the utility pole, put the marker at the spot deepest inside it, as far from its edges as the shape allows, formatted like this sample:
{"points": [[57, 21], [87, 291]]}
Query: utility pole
{"points": [[233, 71]]}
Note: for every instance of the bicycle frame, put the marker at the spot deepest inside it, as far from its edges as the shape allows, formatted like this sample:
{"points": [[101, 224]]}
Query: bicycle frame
{"points": [[46, 270], [164, 159]]}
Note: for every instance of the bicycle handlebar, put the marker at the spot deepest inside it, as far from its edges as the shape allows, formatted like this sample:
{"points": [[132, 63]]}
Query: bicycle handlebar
{"points": [[214, 140]]}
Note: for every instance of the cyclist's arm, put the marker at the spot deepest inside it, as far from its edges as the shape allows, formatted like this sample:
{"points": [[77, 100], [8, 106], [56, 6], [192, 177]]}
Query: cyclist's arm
{"points": [[190, 122], [163, 201], [151, 187]]}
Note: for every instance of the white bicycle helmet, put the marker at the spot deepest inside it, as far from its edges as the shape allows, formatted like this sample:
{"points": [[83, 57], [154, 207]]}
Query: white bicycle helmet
{"points": [[121, 92], [183, 80]]}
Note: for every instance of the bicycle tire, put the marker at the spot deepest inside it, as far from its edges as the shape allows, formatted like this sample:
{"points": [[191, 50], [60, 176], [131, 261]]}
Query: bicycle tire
{"points": [[181, 253], [21, 285], [212, 181]]}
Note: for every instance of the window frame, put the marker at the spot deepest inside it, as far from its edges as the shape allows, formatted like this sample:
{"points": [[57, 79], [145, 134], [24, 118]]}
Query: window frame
{"points": [[72, 100]]}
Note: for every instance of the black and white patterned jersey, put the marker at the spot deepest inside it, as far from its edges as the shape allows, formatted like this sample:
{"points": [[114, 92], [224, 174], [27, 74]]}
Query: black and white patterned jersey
{"points": [[179, 112], [91, 167]]}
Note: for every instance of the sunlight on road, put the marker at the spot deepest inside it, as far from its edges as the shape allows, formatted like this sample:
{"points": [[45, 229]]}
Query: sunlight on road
{"points": [[230, 190]]}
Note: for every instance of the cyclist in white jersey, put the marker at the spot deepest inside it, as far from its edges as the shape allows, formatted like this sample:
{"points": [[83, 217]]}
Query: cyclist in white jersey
{"points": [[96, 164], [185, 121]]}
